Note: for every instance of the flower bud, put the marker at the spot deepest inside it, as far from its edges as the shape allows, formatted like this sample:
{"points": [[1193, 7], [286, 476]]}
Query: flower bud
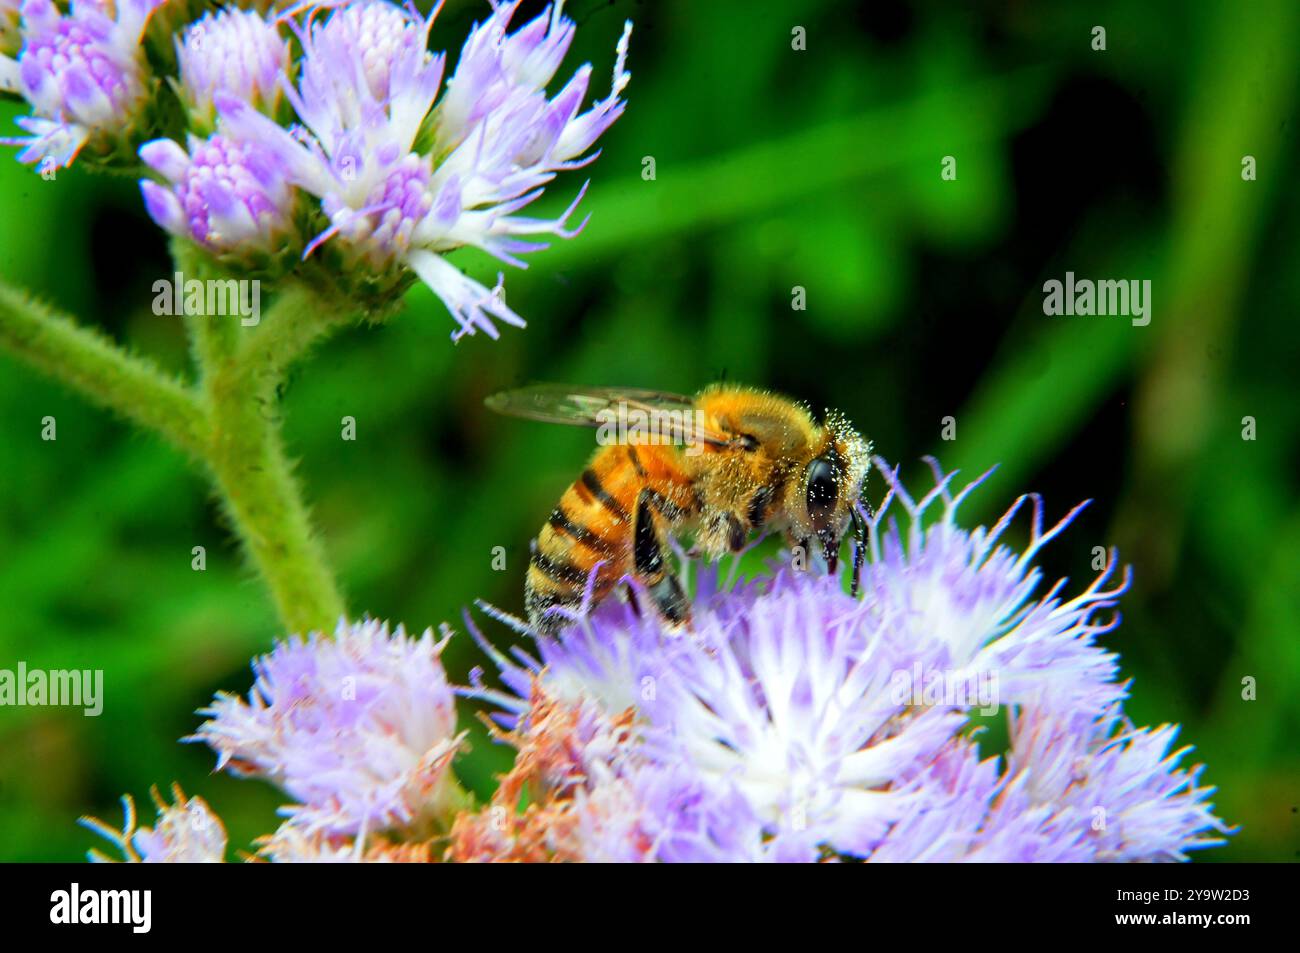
{"points": [[234, 51]]}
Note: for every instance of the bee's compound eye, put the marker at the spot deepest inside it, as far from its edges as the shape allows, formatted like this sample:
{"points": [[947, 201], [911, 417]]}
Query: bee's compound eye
{"points": [[822, 489]]}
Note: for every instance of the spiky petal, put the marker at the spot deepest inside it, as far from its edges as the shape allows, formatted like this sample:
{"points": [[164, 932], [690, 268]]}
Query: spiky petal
{"points": [[976, 603], [186, 832]]}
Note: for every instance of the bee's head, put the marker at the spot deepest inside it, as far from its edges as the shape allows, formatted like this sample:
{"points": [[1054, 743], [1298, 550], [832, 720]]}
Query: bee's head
{"points": [[831, 485]]}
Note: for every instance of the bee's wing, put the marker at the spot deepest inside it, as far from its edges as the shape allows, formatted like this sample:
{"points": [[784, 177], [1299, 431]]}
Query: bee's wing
{"points": [[597, 406]]}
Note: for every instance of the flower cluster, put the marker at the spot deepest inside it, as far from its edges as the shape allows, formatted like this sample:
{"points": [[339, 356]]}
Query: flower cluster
{"points": [[84, 74], [792, 722], [358, 150], [359, 729], [228, 196]]}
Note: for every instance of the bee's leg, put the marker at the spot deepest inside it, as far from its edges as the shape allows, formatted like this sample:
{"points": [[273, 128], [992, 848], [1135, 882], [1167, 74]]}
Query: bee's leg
{"points": [[538, 602], [830, 550], [859, 550], [736, 535], [632, 601], [648, 560], [647, 554], [723, 532], [670, 599]]}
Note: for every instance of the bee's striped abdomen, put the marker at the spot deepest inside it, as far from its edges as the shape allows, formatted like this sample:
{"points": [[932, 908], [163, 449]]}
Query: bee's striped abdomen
{"points": [[587, 526], [592, 523]]}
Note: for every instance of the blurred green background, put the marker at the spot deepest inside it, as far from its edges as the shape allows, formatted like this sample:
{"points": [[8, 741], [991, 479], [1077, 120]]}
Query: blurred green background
{"points": [[775, 168]]}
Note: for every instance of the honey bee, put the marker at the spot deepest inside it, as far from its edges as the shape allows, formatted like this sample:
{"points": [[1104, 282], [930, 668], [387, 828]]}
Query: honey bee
{"points": [[721, 465]]}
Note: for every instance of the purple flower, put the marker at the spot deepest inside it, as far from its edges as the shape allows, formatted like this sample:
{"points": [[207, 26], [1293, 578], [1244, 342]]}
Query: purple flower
{"points": [[685, 817], [234, 52], [1124, 782], [973, 601], [358, 729], [496, 105], [789, 704], [83, 74], [780, 700], [225, 195], [971, 811], [186, 832], [574, 765], [403, 181], [1075, 788]]}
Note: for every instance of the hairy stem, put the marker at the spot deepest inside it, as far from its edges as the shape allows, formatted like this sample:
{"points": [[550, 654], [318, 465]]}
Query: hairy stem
{"points": [[230, 423], [241, 378], [90, 363]]}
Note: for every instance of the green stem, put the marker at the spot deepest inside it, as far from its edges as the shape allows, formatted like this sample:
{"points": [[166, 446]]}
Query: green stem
{"points": [[90, 363], [241, 378]]}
